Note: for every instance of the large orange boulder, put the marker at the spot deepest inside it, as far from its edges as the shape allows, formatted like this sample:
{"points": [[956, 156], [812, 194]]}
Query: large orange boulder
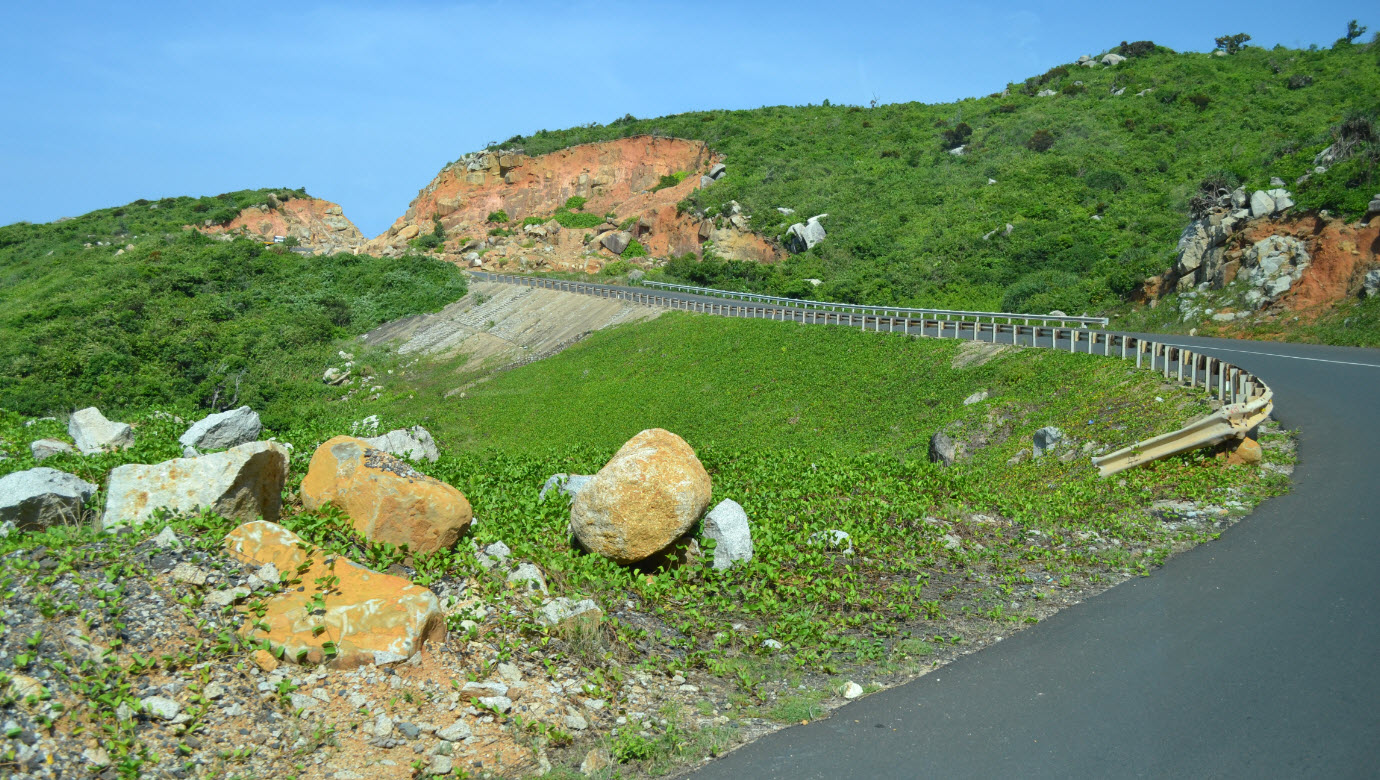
{"points": [[387, 500], [646, 497], [339, 611], [1247, 453]]}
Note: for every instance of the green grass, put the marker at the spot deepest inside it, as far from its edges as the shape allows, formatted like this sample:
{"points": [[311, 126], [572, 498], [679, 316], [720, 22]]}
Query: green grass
{"points": [[906, 217], [182, 318]]}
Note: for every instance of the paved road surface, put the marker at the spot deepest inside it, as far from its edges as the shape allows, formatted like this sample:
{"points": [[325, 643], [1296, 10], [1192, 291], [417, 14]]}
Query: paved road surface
{"points": [[1257, 655]]}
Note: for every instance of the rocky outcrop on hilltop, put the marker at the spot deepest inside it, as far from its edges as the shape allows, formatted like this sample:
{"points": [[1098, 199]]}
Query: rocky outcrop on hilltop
{"points": [[317, 225], [634, 183]]}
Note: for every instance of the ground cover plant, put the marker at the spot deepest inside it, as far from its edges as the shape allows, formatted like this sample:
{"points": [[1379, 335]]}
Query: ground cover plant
{"points": [[812, 429], [123, 307], [1096, 180]]}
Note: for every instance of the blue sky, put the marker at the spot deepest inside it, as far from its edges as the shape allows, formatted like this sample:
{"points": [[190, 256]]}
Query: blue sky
{"points": [[362, 103]]}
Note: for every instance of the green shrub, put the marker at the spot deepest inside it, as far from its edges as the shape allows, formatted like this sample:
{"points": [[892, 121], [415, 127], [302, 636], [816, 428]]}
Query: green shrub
{"points": [[634, 249], [1136, 49], [957, 135], [1105, 180], [1041, 141], [1299, 81], [1200, 100], [670, 180], [532, 221], [499, 217], [577, 221], [575, 203]]}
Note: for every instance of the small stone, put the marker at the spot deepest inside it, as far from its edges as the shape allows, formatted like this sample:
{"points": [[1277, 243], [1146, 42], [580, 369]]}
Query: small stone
{"points": [[576, 722], [160, 707], [408, 730], [167, 540], [852, 690], [595, 762], [455, 732], [96, 756], [975, 398], [772, 644], [440, 765], [528, 576], [509, 672], [264, 660], [189, 574], [500, 703]]}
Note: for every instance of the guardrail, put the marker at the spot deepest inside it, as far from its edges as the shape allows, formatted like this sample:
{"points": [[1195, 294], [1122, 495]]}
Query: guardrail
{"points": [[1246, 399], [947, 314]]}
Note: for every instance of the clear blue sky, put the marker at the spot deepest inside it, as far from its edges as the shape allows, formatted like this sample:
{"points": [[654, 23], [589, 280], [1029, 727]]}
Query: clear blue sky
{"points": [[362, 104]]}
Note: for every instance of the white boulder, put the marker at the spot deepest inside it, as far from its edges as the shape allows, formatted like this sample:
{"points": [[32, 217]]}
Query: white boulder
{"points": [[93, 433], [42, 497], [224, 430]]}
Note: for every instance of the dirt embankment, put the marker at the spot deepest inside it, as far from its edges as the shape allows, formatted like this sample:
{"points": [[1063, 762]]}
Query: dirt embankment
{"points": [[316, 224], [1339, 253], [615, 177]]}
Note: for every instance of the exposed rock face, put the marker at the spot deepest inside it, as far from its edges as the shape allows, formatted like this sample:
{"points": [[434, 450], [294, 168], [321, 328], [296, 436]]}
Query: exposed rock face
{"points": [[42, 497], [413, 443], [93, 433], [369, 617], [1271, 266], [318, 225], [727, 524], [804, 235], [615, 176], [47, 448], [386, 499], [647, 496], [1371, 286], [242, 483], [224, 430]]}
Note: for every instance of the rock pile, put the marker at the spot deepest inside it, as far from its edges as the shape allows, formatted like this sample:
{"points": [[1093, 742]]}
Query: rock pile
{"points": [[1201, 245]]}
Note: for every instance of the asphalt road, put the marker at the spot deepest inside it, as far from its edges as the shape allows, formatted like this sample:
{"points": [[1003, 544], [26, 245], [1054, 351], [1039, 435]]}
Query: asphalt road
{"points": [[1256, 655]]}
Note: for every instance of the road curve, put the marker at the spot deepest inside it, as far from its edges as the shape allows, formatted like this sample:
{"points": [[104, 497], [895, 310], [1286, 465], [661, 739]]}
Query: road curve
{"points": [[1257, 655]]}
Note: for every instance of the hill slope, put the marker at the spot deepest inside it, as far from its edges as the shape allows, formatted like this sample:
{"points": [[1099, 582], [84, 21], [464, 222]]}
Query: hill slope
{"points": [[1095, 177]]}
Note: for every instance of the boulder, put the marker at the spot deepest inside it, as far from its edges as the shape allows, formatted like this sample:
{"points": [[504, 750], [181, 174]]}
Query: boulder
{"points": [[386, 499], [242, 483], [1262, 205], [413, 443], [636, 275], [1046, 93], [727, 525], [335, 376], [42, 497], [1046, 439], [1371, 286], [568, 485], [1112, 59], [717, 171], [93, 433], [223, 431], [47, 448], [705, 181], [1246, 453], [647, 496], [976, 398], [527, 577], [1282, 199], [367, 616], [943, 449], [803, 236], [616, 241], [408, 232]]}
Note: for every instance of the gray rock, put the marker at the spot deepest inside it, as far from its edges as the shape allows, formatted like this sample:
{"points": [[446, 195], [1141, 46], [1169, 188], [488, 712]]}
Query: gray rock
{"points": [[1271, 266], [413, 443], [528, 576], [224, 430], [167, 540], [243, 483], [853, 690], [785, 210], [160, 707], [576, 722], [93, 433], [1283, 200], [47, 448], [976, 398], [1238, 198], [1046, 93], [717, 171], [562, 609], [42, 497], [1371, 286], [616, 241], [803, 236], [636, 275], [440, 766], [943, 449], [455, 732], [772, 644], [566, 484], [1262, 205], [495, 554], [1374, 206], [1275, 181], [408, 730], [7, 528], [335, 376], [366, 427], [705, 181], [1046, 439], [833, 539], [727, 525]]}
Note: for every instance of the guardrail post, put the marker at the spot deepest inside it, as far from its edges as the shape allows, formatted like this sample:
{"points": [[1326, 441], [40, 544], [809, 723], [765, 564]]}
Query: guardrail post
{"points": [[1180, 378]]}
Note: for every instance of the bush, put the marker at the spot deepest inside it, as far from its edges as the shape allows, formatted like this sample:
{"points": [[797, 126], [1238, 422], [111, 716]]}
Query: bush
{"points": [[957, 135], [1299, 82], [1006, 108], [499, 216], [575, 202], [1137, 49], [1041, 141], [670, 180], [577, 221], [1036, 292], [634, 249], [1105, 180], [1073, 89], [1200, 100]]}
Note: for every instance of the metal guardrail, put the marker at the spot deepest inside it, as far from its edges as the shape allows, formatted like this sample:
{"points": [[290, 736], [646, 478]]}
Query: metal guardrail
{"points": [[948, 314], [1246, 399]]}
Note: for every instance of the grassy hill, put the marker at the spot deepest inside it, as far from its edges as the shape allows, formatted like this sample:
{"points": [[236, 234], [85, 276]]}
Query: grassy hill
{"points": [[183, 318], [907, 217]]}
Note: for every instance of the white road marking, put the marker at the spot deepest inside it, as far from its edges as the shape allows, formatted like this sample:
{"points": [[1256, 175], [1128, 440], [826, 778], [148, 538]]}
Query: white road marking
{"points": [[1273, 354]]}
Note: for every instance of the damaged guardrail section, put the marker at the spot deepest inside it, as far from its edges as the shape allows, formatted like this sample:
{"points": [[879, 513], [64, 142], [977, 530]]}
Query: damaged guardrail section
{"points": [[1246, 400]]}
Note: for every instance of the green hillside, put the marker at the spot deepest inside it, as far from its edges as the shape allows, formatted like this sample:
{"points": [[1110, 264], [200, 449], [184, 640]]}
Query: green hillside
{"points": [[184, 318], [907, 217]]}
